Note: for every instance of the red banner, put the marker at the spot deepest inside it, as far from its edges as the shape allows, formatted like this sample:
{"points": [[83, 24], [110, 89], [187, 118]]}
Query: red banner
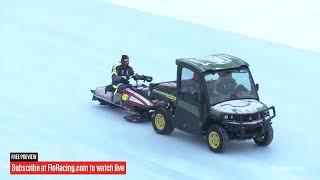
{"points": [[68, 167]]}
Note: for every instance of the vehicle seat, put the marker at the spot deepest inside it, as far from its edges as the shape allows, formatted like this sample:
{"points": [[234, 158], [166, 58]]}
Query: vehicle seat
{"points": [[109, 88]]}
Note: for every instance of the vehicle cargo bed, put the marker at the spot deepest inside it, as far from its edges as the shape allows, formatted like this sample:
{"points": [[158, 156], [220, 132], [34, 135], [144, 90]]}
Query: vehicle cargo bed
{"points": [[164, 91]]}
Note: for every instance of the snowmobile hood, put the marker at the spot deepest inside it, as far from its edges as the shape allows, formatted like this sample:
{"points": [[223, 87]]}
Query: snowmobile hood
{"points": [[242, 106]]}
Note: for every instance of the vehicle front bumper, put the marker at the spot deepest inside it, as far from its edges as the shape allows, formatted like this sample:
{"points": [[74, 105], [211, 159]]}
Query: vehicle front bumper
{"points": [[241, 130]]}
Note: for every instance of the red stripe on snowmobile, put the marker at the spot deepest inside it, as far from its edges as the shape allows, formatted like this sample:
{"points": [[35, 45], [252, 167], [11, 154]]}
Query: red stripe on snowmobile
{"points": [[137, 100]]}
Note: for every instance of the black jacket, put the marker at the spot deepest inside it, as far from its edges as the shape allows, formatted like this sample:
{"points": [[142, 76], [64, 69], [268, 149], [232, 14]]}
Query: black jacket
{"points": [[118, 71]]}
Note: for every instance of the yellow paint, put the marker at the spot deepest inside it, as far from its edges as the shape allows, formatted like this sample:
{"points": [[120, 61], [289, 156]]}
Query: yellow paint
{"points": [[125, 97]]}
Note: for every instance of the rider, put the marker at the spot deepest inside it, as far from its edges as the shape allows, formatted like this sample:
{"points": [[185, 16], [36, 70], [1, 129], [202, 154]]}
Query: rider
{"points": [[225, 83], [121, 73]]}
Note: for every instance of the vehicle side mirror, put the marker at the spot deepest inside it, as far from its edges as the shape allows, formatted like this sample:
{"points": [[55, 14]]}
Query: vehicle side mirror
{"points": [[257, 87]]}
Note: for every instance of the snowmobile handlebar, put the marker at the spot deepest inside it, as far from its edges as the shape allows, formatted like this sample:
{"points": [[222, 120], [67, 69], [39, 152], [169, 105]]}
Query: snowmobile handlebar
{"points": [[137, 77]]}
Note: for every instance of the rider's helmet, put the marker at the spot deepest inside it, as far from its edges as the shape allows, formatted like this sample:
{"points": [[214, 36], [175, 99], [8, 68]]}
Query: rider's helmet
{"points": [[125, 60]]}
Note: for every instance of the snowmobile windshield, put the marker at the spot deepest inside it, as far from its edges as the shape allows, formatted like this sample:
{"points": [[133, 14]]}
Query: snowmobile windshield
{"points": [[231, 84]]}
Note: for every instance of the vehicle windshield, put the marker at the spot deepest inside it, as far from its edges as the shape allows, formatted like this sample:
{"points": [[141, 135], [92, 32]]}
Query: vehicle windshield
{"points": [[229, 85]]}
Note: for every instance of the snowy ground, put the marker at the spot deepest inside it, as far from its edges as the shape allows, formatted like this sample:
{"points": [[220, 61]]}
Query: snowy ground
{"points": [[53, 53], [291, 22]]}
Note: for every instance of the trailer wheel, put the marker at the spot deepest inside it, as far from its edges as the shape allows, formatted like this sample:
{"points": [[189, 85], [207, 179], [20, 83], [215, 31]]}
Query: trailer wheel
{"points": [[266, 138], [217, 138], [161, 121]]}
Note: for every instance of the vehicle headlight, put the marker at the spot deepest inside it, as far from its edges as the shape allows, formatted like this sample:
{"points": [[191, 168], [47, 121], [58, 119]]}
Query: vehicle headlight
{"points": [[229, 117]]}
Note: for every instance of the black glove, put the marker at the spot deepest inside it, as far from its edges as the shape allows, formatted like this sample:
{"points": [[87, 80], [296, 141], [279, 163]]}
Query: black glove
{"points": [[124, 81], [136, 77]]}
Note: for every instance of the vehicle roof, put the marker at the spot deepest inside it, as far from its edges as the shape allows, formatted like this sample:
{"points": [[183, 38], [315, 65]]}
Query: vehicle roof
{"points": [[213, 62]]}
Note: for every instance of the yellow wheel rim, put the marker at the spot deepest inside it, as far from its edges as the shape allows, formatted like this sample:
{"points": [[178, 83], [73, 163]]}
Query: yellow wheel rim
{"points": [[214, 140], [160, 121]]}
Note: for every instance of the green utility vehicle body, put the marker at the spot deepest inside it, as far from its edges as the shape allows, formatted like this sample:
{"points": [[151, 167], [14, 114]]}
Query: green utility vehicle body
{"points": [[214, 97]]}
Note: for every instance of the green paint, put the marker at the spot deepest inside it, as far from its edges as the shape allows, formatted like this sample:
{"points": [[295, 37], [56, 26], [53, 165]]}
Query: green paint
{"points": [[213, 62], [189, 107], [169, 96]]}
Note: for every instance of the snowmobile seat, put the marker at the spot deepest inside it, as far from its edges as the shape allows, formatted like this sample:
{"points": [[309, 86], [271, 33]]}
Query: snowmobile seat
{"points": [[109, 88]]}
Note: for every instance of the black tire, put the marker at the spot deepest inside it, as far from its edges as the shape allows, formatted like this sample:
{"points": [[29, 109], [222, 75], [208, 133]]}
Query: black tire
{"points": [[266, 138], [217, 138], [162, 116]]}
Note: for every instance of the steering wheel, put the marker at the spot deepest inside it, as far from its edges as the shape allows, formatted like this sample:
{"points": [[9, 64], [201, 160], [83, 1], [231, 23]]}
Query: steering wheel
{"points": [[225, 85], [241, 89]]}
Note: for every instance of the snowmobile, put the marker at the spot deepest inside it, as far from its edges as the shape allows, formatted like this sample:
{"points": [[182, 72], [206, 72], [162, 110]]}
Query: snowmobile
{"points": [[134, 99]]}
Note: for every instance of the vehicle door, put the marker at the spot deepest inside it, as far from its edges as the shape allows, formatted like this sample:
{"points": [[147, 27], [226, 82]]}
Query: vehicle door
{"points": [[188, 106]]}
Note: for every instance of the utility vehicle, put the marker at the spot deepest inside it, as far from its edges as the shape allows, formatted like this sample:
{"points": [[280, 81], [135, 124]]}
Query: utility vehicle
{"points": [[214, 97]]}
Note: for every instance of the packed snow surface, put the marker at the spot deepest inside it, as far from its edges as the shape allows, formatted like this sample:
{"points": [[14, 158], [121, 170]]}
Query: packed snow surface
{"points": [[53, 52]]}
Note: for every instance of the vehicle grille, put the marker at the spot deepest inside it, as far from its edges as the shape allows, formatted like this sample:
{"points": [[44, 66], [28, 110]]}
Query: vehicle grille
{"points": [[250, 117]]}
